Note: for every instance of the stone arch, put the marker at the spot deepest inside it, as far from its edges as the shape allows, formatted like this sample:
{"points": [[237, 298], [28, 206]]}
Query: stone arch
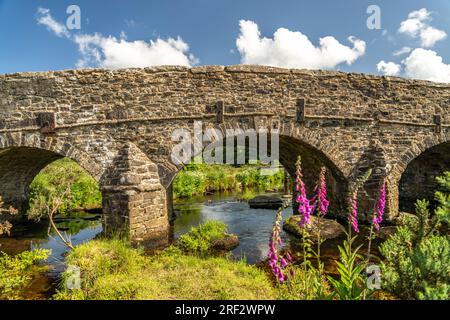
{"points": [[373, 158], [419, 170], [55, 145], [294, 140], [400, 163], [23, 156], [287, 130]]}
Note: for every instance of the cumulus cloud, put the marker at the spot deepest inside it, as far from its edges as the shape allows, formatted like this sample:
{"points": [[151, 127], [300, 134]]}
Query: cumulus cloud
{"points": [[293, 49], [429, 36], [388, 68], [111, 52], [427, 65], [44, 18], [417, 26]]}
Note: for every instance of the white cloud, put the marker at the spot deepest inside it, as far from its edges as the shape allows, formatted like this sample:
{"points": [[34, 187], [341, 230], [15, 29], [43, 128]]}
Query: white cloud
{"points": [[427, 65], [402, 51], [388, 68], [429, 36], [44, 18], [292, 49], [417, 26], [111, 52]]}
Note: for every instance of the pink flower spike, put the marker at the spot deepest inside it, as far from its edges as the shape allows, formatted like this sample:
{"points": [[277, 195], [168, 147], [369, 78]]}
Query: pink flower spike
{"points": [[380, 207], [322, 193], [353, 216]]}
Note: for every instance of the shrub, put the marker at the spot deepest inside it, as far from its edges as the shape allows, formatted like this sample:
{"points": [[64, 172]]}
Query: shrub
{"points": [[199, 240], [417, 263], [189, 183]]}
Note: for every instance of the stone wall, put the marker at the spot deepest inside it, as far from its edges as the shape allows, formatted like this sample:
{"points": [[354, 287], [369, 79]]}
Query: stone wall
{"points": [[119, 124]]}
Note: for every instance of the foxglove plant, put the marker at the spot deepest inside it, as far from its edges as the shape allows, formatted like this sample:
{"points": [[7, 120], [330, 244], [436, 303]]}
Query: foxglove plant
{"points": [[381, 204], [353, 216], [304, 204], [322, 200], [349, 268], [353, 202], [378, 215], [279, 265], [322, 205]]}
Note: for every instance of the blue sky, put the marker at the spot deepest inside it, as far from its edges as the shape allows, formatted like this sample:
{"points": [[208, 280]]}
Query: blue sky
{"points": [[210, 28]]}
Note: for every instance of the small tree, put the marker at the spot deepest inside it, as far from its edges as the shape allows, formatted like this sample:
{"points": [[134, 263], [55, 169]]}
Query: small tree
{"points": [[51, 199]]}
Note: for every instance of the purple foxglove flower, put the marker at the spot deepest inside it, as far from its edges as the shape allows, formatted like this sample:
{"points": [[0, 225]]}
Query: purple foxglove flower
{"points": [[353, 216], [283, 263], [288, 256], [322, 193], [304, 208], [381, 204]]}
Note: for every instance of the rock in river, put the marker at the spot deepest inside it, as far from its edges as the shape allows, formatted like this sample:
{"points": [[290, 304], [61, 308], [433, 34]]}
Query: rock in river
{"points": [[329, 229], [266, 202], [228, 243]]}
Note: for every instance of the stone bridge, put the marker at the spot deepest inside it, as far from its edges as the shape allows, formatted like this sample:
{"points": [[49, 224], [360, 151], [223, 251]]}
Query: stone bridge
{"points": [[118, 126]]}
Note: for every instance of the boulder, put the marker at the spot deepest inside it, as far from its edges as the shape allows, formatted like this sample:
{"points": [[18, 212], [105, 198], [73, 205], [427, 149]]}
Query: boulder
{"points": [[329, 229], [228, 243], [266, 202]]}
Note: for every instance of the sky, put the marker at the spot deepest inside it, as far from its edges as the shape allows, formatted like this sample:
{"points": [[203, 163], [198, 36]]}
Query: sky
{"points": [[408, 38]]}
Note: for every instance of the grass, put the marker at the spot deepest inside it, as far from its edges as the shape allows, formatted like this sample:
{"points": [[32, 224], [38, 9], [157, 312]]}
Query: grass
{"points": [[112, 270]]}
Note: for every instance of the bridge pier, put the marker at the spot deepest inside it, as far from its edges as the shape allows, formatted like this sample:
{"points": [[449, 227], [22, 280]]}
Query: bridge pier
{"points": [[134, 201]]}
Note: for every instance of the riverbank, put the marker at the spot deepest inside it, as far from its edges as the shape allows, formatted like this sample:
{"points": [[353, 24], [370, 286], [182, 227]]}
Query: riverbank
{"points": [[198, 179]]}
